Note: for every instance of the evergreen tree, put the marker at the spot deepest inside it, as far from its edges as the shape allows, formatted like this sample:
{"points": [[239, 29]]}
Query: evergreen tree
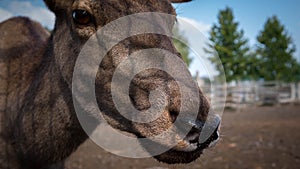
{"points": [[276, 50], [253, 66], [231, 46]]}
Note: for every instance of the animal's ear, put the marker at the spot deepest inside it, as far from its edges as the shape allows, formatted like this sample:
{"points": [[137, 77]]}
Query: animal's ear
{"points": [[51, 4], [180, 1]]}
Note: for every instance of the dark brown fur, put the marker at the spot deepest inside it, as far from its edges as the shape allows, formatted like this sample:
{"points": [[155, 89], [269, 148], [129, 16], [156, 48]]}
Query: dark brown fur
{"points": [[38, 124]]}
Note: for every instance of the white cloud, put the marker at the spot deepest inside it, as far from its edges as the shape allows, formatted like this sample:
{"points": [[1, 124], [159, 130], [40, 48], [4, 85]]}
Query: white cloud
{"points": [[202, 27], [4, 15], [197, 36], [25, 8]]}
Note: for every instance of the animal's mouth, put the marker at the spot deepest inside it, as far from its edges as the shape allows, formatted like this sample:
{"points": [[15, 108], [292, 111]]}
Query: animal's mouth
{"points": [[195, 139], [191, 147], [192, 141]]}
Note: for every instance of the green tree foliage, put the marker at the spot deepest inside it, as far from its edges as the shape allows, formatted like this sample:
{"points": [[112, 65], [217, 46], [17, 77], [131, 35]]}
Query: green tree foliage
{"points": [[275, 51], [253, 66], [181, 46], [231, 46]]}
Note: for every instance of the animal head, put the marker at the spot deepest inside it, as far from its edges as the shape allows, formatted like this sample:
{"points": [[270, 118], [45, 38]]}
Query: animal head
{"points": [[78, 20]]}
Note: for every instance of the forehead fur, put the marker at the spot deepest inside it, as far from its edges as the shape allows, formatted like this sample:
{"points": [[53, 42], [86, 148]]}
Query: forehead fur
{"points": [[55, 5], [139, 5]]}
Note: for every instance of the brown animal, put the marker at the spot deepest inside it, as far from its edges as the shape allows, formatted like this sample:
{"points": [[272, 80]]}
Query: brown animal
{"points": [[39, 126]]}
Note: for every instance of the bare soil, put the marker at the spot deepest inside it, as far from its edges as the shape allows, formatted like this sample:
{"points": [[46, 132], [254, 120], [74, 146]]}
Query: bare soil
{"points": [[252, 138]]}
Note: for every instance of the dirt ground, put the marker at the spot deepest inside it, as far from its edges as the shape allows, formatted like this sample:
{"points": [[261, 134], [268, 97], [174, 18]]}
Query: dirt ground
{"points": [[252, 138]]}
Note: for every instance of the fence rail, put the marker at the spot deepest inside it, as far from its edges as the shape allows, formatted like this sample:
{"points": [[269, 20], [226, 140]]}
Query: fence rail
{"points": [[257, 93]]}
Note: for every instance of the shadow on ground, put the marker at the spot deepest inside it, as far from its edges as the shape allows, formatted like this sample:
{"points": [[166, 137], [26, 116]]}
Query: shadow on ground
{"points": [[252, 138]]}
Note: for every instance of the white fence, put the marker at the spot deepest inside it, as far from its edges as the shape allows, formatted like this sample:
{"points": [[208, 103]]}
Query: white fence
{"points": [[257, 93]]}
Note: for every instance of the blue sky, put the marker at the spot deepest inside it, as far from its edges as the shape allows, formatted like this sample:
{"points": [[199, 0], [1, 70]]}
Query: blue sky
{"points": [[250, 14]]}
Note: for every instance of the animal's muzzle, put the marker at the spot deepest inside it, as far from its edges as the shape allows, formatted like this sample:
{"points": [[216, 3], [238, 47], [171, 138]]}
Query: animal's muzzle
{"points": [[211, 127]]}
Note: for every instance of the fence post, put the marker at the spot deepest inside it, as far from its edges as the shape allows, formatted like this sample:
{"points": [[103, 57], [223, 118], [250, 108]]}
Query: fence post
{"points": [[298, 91], [293, 91]]}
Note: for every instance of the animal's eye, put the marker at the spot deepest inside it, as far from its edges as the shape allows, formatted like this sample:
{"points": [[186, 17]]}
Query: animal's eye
{"points": [[82, 17]]}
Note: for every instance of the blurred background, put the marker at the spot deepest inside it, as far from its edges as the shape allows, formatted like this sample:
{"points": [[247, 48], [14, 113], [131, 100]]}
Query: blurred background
{"points": [[258, 44]]}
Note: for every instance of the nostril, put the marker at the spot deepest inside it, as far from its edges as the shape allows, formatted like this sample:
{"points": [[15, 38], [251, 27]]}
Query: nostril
{"points": [[173, 115], [197, 124], [197, 127], [193, 136], [190, 123], [194, 127]]}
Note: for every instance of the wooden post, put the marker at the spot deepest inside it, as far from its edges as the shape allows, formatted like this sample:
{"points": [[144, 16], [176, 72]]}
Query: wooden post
{"points": [[298, 91], [293, 92]]}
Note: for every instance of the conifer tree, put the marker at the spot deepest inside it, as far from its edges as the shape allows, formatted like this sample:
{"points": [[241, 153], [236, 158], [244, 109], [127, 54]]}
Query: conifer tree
{"points": [[231, 46], [275, 51]]}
